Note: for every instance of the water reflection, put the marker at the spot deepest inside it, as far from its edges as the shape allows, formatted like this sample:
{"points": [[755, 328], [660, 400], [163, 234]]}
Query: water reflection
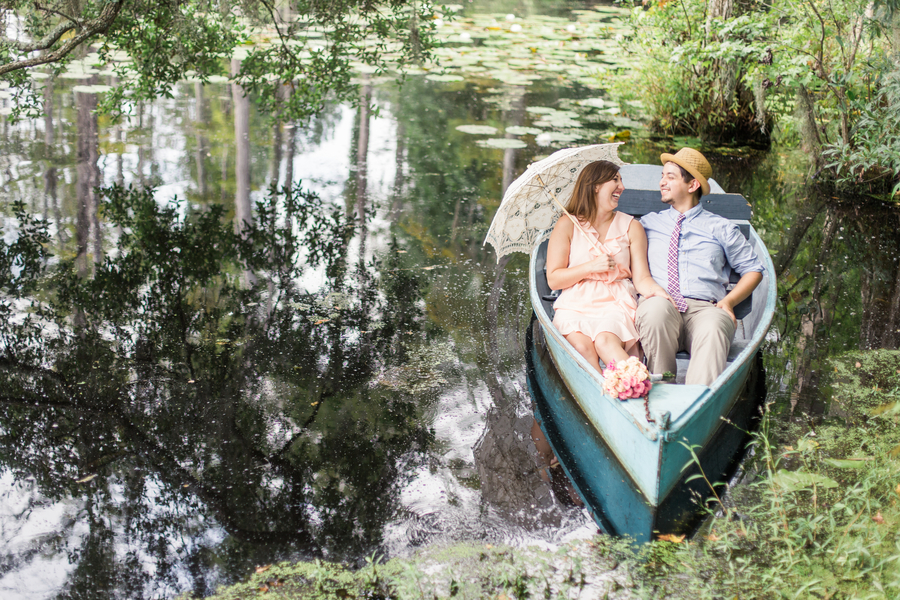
{"points": [[169, 422], [343, 374]]}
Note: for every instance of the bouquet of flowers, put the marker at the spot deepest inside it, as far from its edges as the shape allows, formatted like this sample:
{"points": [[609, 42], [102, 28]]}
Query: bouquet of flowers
{"points": [[627, 379]]}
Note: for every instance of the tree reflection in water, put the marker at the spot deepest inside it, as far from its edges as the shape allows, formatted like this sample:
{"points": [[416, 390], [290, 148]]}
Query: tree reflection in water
{"points": [[839, 284], [177, 397]]}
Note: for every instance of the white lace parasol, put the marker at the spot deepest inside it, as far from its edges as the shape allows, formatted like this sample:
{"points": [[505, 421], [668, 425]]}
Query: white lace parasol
{"points": [[528, 209]]}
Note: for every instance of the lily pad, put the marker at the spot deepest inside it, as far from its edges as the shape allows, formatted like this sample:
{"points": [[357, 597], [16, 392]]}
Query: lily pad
{"points": [[502, 143], [517, 130], [593, 102], [477, 129], [91, 89], [540, 110], [549, 138], [444, 77], [557, 122]]}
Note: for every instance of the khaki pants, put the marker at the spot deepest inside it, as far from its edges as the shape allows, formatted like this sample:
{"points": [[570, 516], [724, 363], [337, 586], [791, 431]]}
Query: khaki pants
{"points": [[704, 331]]}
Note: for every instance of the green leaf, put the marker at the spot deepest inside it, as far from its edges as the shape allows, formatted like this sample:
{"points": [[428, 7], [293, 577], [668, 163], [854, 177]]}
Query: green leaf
{"points": [[891, 408], [795, 481], [847, 463], [807, 445]]}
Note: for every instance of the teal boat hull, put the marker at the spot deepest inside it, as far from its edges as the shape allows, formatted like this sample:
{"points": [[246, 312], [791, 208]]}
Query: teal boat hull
{"points": [[632, 472], [606, 488]]}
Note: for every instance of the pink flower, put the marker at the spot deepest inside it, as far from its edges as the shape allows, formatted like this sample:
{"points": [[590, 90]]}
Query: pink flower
{"points": [[626, 379]]}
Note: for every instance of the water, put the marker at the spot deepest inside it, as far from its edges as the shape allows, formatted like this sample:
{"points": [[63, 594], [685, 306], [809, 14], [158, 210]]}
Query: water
{"points": [[171, 426]]}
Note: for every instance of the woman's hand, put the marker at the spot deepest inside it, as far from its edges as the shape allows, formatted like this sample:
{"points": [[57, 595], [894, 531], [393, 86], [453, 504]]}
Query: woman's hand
{"points": [[602, 264]]}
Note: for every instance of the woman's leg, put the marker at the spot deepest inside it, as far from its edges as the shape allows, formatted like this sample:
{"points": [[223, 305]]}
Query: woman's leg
{"points": [[585, 347], [609, 347]]}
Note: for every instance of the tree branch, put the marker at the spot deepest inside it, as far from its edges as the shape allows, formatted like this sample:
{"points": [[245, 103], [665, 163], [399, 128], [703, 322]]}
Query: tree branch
{"points": [[56, 12], [49, 39], [90, 28]]}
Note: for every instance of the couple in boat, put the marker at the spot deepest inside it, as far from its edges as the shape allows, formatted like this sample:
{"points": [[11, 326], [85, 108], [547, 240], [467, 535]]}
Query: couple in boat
{"points": [[677, 261]]}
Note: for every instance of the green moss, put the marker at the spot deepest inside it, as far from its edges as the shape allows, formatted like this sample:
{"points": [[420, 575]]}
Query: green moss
{"points": [[469, 571]]}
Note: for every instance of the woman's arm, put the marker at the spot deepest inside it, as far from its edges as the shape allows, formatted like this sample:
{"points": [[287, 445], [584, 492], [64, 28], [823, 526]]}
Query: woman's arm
{"points": [[559, 275], [640, 269]]}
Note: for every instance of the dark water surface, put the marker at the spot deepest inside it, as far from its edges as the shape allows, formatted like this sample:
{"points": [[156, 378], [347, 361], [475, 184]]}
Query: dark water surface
{"points": [[178, 406]]}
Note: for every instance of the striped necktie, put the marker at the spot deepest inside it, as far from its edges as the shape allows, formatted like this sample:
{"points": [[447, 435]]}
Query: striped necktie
{"points": [[674, 285]]}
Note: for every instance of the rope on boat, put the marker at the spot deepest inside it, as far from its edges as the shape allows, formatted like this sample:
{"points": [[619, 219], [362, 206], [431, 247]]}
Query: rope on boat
{"points": [[647, 408]]}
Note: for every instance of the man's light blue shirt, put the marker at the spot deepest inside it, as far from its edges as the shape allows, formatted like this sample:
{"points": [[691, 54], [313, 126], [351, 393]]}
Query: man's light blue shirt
{"points": [[708, 245]]}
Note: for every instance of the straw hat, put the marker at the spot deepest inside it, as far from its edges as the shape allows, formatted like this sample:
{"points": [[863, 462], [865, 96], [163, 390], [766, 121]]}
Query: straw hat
{"points": [[694, 163]]}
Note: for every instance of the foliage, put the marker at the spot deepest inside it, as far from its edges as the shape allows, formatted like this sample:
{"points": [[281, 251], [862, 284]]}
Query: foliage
{"points": [[820, 68], [294, 55], [591, 569], [697, 74], [21, 262], [822, 516], [873, 151]]}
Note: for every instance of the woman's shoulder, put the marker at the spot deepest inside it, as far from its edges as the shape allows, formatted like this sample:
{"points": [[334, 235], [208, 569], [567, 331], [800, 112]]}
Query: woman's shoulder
{"points": [[619, 227], [562, 230], [564, 223], [624, 217]]}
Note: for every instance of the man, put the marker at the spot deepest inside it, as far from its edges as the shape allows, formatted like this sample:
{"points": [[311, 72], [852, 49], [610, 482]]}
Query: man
{"points": [[689, 251]]}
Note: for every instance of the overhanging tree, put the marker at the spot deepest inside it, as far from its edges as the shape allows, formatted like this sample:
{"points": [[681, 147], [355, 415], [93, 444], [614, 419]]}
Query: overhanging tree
{"points": [[295, 53]]}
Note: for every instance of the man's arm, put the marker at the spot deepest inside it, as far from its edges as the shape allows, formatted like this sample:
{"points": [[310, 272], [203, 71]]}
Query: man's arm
{"points": [[744, 287], [742, 259]]}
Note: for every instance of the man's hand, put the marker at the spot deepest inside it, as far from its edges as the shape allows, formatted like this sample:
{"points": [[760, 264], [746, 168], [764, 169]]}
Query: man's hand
{"points": [[724, 305], [743, 289]]}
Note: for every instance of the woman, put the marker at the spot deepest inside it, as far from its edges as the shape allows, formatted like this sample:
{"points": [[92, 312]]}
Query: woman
{"points": [[594, 255]]}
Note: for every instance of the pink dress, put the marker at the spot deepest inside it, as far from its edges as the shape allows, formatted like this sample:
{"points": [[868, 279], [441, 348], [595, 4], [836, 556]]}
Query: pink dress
{"points": [[605, 302]]}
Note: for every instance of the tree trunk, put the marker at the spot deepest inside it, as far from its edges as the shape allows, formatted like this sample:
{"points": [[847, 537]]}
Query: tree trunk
{"points": [[243, 213], [200, 140], [50, 175], [809, 128], [362, 155], [399, 160], [514, 117], [727, 77], [86, 157], [289, 159]]}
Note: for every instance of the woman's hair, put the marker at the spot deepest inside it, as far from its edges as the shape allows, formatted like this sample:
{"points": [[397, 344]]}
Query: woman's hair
{"points": [[583, 204]]}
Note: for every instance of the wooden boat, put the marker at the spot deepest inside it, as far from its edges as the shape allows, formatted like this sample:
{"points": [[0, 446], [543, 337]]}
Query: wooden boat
{"points": [[629, 472]]}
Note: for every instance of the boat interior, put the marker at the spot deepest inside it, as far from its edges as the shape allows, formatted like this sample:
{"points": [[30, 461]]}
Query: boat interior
{"points": [[642, 196]]}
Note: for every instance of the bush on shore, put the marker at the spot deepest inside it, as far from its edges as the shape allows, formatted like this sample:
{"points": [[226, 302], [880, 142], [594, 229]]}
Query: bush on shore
{"points": [[819, 74]]}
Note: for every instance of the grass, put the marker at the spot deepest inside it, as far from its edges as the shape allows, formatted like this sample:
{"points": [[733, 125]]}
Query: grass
{"points": [[819, 519]]}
